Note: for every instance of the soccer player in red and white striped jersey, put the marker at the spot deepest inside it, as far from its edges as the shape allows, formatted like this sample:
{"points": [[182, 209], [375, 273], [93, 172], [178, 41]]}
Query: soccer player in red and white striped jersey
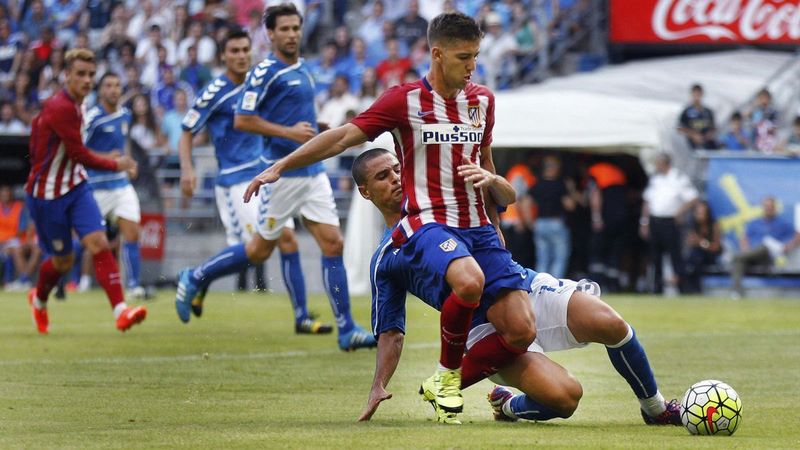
{"points": [[60, 200], [442, 128]]}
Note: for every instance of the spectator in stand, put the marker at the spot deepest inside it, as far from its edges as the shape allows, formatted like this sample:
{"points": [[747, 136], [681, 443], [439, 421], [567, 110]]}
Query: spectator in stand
{"points": [[10, 56], [143, 20], [355, 64], [370, 89], [553, 196], [15, 240], [164, 93], [411, 26], [36, 20], [43, 46], [391, 70], [178, 28], [147, 55], [737, 136], [132, 86], [9, 123], [764, 121], [767, 240], [371, 29], [171, 124], [496, 47], [697, 122], [260, 42], [244, 9], [668, 196], [195, 74], [100, 16], [420, 56], [25, 90], [342, 38], [340, 101], [704, 245], [53, 70], [608, 203], [145, 134], [206, 48], [791, 144], [66, 15], [323, 70], [516, 221]]}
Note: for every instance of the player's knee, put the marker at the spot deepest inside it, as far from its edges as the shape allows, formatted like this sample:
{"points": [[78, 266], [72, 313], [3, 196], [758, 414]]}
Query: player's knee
{"points": [[469, 286], [521, 335], [332, 245], [568, 396], [256, 253], [63, 263], [287, 243], [612, 328]]}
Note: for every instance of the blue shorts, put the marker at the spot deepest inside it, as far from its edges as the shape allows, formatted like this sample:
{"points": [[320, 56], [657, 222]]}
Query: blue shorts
{"points": [[433, 247], [55, 219]]}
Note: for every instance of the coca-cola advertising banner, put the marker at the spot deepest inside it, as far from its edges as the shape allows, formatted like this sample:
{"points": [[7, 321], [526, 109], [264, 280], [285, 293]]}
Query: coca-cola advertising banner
{"points": [[704, 21]]}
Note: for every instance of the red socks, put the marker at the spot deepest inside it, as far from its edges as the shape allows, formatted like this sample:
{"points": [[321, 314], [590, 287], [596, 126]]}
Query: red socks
{"points": [[485, 358], [455, 320], [48, 278], [107, 271]]}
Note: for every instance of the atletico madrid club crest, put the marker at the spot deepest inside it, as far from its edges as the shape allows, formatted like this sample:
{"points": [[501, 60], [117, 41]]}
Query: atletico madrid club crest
{"points": [[448, 245], [474, 113]]}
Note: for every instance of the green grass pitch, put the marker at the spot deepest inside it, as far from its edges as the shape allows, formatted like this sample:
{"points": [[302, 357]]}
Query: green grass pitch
{"points": [[240, 378]]}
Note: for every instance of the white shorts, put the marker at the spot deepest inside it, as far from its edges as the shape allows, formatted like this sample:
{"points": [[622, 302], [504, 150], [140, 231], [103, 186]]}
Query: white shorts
{"points": [[550, 298], [120, 203], [309, 197], [240, 219]]}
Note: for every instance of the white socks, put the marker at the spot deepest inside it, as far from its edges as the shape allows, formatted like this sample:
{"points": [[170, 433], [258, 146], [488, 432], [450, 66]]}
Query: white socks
{"points": [[119, 308], [654, 405]]}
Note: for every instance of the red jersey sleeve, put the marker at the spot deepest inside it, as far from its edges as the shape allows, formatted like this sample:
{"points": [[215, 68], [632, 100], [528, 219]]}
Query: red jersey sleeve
{"points": [[63, 118], [384, 115], [487, 131]]}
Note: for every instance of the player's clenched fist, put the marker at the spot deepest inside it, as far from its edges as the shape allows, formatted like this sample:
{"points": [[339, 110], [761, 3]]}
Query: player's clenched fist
{"points": [[301, 132], [125, 163]]}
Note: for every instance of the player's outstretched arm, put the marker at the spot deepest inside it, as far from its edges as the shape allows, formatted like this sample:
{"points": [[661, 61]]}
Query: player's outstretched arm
{"points": [[324, 145], [390, 346], [188, 178], [67, 124]]}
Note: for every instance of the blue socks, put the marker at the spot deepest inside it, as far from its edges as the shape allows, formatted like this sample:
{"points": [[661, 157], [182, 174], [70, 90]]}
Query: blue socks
{"points": [[630, 360], [131, 257], [229, 261], [295, 284], [524, 407], [334, 278]]}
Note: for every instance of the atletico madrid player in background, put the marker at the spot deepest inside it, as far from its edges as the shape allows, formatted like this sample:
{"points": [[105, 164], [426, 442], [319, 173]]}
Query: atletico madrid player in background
{"points": [[60, 200]]}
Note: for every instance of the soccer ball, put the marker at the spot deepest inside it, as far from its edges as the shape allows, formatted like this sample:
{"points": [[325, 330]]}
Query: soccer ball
{"points": [[711, 407]]}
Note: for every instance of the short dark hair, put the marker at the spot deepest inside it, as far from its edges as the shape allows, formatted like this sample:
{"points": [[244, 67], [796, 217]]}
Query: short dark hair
{"points": [[360, 164], [736, 115], [453, 27], [697, 87], [108, 74], [285, 9], [234, 34], [796, 121]]}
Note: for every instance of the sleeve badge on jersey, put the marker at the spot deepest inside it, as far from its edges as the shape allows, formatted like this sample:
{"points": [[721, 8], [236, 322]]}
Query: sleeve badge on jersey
{"points": [[448, 245], [191, 118], [474, 113], [249, 101]]}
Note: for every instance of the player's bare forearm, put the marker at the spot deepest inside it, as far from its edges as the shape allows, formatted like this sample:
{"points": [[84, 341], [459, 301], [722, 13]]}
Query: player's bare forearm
{"points": [[390, 346], [257, 125], [322, 146], [502, 191], [185, 147]]}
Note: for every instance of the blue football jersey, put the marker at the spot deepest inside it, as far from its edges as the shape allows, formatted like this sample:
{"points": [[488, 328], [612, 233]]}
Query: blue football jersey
{"points": [[239, 154], [391, 277], [284, 95], [104, 133]]}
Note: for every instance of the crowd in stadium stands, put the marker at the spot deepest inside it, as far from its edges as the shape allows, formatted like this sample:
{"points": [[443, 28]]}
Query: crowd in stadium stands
{"points": [[759, 128]]}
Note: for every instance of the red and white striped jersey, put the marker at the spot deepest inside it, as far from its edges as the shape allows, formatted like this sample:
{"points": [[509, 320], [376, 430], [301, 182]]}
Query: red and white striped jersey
{"points": [[57, 151], [432, 137]]}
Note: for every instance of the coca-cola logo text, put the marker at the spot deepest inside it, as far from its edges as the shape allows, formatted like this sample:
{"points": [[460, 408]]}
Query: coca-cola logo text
{"points": [[706, 20]]}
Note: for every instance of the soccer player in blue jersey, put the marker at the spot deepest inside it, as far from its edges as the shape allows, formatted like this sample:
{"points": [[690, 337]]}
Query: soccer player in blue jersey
{"points": [[240, 157], [569, 315], [106, 127], [277, 103]]}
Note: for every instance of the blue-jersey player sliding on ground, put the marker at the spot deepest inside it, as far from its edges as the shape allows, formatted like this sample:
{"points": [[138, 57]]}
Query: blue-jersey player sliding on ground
{"points": [[106, 127], [277, 102], [240, 157], [568, 315]]}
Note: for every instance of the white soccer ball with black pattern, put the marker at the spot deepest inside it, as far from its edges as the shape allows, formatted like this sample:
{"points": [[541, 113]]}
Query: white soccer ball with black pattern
{"points": [[711, 407]]}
